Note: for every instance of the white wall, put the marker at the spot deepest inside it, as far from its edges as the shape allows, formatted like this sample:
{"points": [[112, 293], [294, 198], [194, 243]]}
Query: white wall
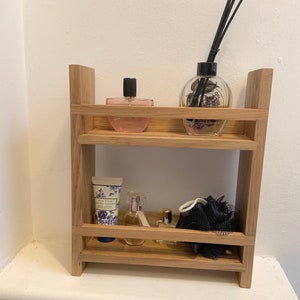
{"points": [[160, 42], [15, 208]]}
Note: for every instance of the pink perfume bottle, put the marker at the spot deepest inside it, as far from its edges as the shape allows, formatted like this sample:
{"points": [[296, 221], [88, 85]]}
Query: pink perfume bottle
{"points": [[129, 124]]}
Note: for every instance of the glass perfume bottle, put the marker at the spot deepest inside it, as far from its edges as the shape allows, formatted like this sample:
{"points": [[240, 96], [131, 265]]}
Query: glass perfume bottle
{"points": [[129, 124], [205, 90], [166, 222], [131, 217]]}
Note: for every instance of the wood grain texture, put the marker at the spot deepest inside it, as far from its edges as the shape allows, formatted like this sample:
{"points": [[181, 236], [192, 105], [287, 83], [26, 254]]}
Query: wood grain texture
{"points": [[164, 131], [153, 233], [82, 91], [245, 131], [170, 139], [258, 94], [247, 114], [153, 254]]}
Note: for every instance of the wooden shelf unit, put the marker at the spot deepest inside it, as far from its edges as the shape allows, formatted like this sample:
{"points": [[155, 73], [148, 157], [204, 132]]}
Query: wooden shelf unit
{"points": [[245, 131]]}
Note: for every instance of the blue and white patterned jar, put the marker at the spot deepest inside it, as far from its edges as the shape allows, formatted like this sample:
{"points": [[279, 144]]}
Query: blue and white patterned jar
{"points": [[107, 197]]}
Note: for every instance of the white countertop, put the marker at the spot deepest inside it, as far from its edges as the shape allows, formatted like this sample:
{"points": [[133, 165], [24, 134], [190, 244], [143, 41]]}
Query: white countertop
{"points": [[42, 271]]}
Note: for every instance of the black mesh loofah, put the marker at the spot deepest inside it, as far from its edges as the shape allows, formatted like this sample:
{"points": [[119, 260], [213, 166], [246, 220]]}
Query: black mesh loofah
{"points": [[194, 219], [215, 211], [216, 215]]}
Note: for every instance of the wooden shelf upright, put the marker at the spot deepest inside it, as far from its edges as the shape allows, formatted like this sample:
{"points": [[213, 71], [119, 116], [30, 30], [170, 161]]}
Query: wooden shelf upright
{"points": [[245, 131]]}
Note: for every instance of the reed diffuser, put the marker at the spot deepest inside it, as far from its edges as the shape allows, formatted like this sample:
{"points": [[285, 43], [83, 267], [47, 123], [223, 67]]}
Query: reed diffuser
{"points": [[207, 89]]}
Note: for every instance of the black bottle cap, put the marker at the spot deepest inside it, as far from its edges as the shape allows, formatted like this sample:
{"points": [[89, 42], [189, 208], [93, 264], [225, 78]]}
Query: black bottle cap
{"points": [[129, 87], [207, 69]]}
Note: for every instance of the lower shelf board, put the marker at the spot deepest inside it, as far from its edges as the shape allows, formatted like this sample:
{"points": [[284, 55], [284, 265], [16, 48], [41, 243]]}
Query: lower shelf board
{"points": [[154, 254], [167, 139]]}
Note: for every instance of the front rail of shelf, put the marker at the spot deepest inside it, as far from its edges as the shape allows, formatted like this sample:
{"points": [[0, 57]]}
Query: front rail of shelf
{"points": [[168, 139], [161, 135], [155, 233], [242, 114], [153, 254]]}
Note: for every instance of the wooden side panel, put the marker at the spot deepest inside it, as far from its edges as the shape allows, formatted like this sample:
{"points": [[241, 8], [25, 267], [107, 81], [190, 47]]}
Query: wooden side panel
{"points": [[82, 91], [258, 95]]}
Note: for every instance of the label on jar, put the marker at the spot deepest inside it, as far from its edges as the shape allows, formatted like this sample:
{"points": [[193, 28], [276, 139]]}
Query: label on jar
{"points": [[106, 204]]}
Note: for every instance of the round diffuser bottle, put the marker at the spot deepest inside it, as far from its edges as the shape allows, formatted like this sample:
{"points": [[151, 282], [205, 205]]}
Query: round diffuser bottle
{"points": [[209, 91]]}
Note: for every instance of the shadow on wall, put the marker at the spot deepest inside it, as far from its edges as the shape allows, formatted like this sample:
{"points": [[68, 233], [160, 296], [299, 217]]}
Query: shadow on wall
{"points": [[15, 209], [170, 176]]}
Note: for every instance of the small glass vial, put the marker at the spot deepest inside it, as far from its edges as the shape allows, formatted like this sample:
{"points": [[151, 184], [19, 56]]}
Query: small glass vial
{"points": [[166, 222], [129, 124], [131, 217]]}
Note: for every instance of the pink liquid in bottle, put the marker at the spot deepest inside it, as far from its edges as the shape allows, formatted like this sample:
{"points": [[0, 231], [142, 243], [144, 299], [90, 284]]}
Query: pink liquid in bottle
{"points": [[129, 124]]}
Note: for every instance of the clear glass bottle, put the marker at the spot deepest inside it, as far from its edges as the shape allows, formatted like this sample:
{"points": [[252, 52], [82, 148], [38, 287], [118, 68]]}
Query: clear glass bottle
{"points": [[205, 90], [129, 124], [131, 217]]}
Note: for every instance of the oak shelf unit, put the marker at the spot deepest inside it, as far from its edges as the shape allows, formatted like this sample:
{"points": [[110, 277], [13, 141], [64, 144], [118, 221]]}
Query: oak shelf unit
{"points": [[245, 131]]}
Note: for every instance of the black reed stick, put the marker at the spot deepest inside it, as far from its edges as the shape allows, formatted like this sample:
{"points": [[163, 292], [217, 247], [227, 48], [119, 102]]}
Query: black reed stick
{"points": [[224, 23]]}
